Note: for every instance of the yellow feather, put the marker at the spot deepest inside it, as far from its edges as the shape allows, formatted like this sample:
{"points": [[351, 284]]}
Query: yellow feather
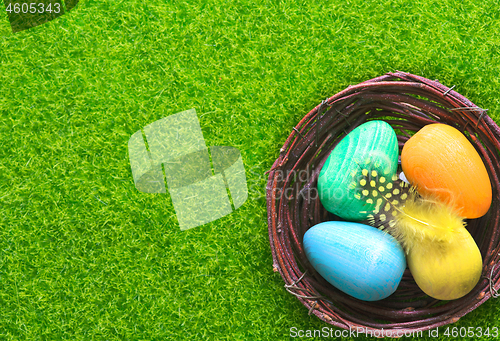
{"points": [[420, 220]]}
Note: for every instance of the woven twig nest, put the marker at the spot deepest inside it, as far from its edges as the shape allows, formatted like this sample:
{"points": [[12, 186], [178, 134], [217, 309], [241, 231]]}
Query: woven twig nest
{"points": [[407, 102]]}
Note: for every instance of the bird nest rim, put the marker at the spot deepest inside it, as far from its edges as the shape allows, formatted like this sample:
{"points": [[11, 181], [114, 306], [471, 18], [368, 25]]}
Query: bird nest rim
{"points": [[407, 102]]}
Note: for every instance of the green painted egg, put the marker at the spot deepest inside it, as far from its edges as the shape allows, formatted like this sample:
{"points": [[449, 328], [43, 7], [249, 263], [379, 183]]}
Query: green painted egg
{"points": [[372, 147]]}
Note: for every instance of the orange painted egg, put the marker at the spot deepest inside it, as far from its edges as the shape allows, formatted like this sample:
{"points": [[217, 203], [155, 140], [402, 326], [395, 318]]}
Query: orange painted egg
{"points": [[441, 162]]}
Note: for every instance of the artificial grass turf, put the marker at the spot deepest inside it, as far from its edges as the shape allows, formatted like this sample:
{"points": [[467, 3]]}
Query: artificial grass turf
{"points": [[84, 255]]}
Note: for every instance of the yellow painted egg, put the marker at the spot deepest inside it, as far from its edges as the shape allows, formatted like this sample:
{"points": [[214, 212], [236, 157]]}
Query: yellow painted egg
{"points": [[446, 270], [440, 162]]}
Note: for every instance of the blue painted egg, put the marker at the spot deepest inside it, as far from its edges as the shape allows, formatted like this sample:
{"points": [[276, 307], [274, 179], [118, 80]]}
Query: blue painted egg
{"points": [[358, 259]]}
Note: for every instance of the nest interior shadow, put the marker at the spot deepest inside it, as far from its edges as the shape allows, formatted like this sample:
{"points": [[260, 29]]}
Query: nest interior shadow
{"points": [[407, 102]]}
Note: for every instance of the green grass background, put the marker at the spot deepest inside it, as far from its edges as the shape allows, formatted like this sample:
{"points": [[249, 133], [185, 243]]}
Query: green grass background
{"points": [[84, 255]]}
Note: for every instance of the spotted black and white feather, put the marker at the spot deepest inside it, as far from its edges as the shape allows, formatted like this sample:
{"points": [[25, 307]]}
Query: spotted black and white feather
{"points": [[403, 213]]}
